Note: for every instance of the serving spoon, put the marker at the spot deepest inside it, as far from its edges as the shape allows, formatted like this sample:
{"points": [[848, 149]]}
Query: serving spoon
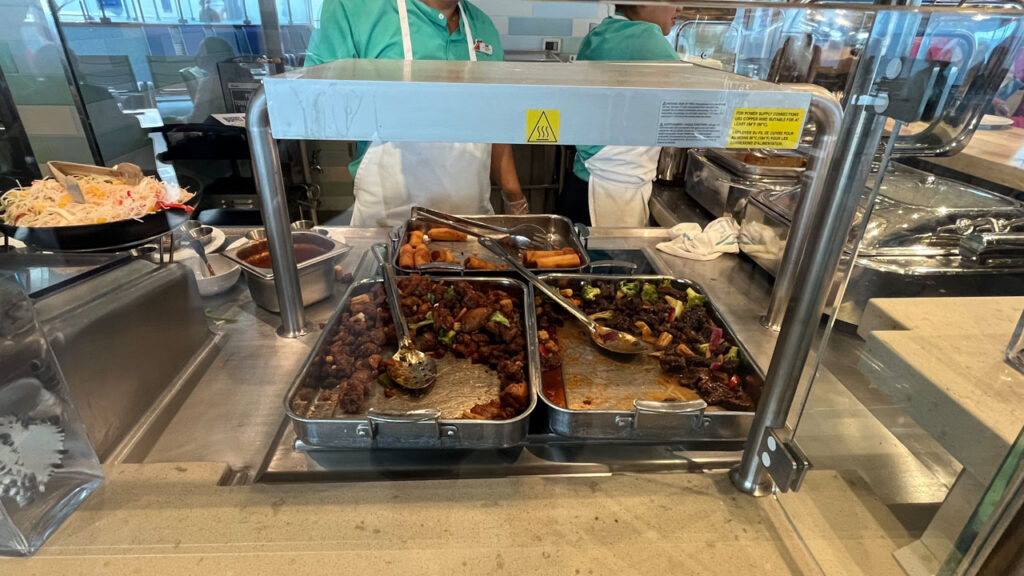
{"points": [[615, 341], [410, 368]]}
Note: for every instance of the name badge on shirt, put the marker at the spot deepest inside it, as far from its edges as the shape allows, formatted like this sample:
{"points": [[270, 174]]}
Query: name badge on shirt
{"points": [[481, 46]]}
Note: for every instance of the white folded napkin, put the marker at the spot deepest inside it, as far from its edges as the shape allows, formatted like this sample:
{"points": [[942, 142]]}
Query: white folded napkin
{"points": [[689, 241]]}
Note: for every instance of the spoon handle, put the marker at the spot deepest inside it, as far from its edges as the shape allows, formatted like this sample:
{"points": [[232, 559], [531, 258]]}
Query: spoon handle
{"points": [[197, 246], [391, 289], [539, 284], [456, 221]]}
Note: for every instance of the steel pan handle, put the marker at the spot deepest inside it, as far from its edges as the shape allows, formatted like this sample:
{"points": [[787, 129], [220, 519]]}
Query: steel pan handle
{"points": [[413, 426], [655, 407], [420, 415], [650, 414]]}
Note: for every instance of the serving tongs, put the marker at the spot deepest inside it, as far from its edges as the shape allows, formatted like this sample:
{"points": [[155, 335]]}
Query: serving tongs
{"points": [[64, 173], [519, 237], [410, 368], [614, 341]]}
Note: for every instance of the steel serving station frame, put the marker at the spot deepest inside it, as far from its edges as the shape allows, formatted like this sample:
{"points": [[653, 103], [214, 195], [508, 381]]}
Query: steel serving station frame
{"points": [[628, 104]]}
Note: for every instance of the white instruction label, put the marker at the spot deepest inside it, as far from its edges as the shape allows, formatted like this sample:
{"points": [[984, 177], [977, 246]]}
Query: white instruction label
{"points": [[692, 124]]}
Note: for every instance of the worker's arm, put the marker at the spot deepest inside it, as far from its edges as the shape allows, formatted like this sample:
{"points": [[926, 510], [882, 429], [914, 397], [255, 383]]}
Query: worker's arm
{"points": [[503, 174]]}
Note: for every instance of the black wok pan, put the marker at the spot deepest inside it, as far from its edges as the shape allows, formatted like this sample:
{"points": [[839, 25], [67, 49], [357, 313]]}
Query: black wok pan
{"points": [[119, 235]]}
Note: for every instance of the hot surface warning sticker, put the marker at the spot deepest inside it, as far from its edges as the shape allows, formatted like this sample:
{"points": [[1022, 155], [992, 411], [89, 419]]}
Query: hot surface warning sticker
{"points": [[766, 127], [542, 126]]}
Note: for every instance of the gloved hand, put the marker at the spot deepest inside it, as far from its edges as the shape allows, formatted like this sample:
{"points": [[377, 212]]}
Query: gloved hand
{"points": [[520, 206]]}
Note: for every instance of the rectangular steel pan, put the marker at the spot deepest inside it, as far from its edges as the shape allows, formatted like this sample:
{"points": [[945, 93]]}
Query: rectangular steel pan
{"points": [[647, 418], [562, 232], [409, 423]]}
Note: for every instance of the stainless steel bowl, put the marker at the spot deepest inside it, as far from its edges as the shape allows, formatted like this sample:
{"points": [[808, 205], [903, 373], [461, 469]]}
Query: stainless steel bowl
{"points": [[196, 230], [256, 235], [316, 275]]}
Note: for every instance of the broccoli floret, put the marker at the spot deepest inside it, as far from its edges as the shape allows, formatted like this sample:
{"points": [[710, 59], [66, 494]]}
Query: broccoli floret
{"points": [[499, 318], [629, 288], [666, 283], [649, 294], [603, 315], [448, 338], [694, 299], [425, 322], [703, 349], [450, 294], [733, 354], [590, 292]]}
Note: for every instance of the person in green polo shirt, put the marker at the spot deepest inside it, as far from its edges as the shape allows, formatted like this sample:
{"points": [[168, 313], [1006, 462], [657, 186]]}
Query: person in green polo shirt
{"points": [[610, 185], [391, 177]]}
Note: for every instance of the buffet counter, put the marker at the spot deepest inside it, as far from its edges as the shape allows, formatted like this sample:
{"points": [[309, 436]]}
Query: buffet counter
{"points": [[185, 494], [993, 155]]}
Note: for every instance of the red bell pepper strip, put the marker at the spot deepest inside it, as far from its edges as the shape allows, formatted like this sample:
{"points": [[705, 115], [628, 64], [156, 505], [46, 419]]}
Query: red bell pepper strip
{"points": [[175, 206]]}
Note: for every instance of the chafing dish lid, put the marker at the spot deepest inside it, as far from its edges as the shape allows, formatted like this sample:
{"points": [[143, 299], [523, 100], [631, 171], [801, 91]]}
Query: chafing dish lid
{"points": [[916, 213]]}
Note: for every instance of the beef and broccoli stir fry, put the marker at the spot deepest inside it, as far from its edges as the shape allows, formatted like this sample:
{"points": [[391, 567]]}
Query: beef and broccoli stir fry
{"points": [[481, 324], [690, 345]]}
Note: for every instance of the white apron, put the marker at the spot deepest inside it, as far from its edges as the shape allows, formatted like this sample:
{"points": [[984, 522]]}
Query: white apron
{"points": [[620, 186], [395, 176], [621, 181]]}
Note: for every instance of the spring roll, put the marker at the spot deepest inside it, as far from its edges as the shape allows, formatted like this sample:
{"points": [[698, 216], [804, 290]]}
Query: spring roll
{"points": [[421, 256], [563, 261], [442, 256], [530, 259], [416, 238], [447, 235], [474, 263], [406, 257]]}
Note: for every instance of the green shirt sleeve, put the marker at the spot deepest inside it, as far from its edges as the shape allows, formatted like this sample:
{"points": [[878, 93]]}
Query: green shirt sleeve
{"points": [[333, 40]]}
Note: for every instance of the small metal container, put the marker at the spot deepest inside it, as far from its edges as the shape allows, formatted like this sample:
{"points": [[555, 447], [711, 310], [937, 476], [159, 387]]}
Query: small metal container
{"points": [[562, 232], [721, 191], [316, 275], [423, 428], [736, 161], [649, 419]]}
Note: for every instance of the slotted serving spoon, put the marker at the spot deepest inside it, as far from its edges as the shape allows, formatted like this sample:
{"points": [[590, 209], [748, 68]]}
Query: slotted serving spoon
{"points": [[521, 236], [614, 341], [410, 368]]}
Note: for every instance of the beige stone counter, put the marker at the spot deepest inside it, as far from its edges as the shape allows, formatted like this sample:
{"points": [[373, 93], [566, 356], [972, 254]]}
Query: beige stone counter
{"points": [[993, 155], [174, 519]]}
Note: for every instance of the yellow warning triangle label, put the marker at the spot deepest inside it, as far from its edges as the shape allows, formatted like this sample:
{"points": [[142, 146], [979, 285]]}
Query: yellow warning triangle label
{"points": [[542, 126]]}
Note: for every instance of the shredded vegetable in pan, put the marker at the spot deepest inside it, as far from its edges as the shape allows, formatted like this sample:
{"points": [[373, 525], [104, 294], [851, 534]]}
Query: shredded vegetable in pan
{"points": [[47, 202]]}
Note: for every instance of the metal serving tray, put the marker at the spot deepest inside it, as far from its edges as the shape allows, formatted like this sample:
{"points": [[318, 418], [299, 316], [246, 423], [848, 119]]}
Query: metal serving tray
{"points": [[635, 382], [407, 422], [763, 236], [915, 213], [722, 192], [562, 233], [734, 160]]}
